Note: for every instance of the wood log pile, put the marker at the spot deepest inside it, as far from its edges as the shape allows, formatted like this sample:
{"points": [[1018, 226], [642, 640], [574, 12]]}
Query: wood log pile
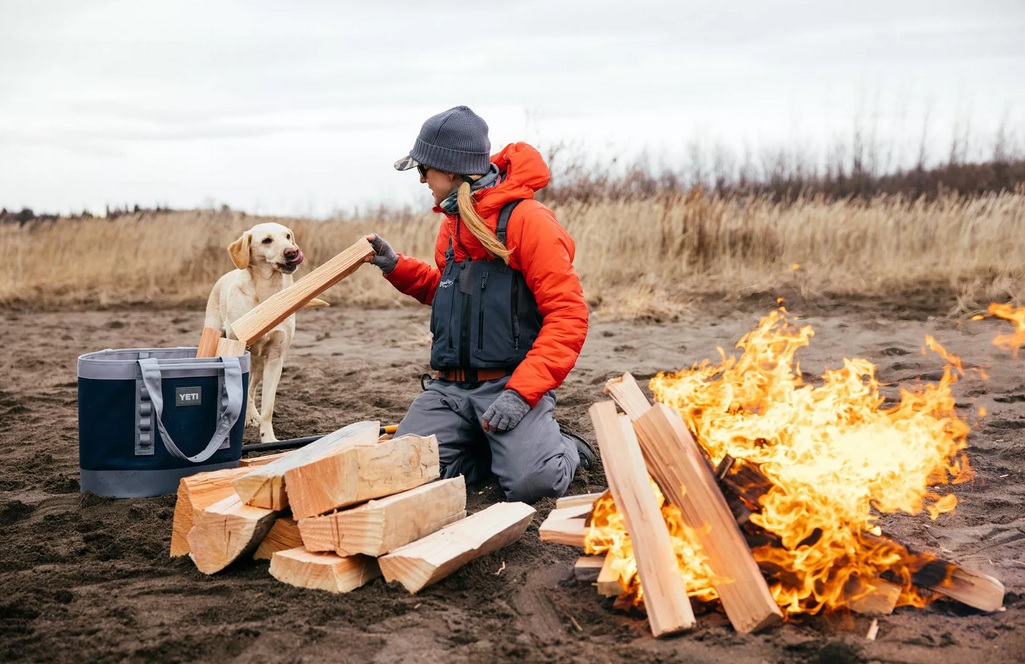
{"points": [[715, 505], [334, 515]]}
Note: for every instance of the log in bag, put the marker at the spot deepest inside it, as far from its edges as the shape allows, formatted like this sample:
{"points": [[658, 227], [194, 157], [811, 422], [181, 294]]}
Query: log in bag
{"points": [[148, 417]]}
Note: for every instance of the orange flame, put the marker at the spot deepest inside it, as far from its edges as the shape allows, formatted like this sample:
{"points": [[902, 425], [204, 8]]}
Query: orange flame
{"points": [[607, 534], [835, 457], [1016, 339]]}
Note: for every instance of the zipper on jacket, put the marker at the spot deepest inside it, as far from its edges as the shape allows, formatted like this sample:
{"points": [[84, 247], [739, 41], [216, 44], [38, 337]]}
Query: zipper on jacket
{"points": [[450, 262], [464, 333], [480, 317], [516, 312]]}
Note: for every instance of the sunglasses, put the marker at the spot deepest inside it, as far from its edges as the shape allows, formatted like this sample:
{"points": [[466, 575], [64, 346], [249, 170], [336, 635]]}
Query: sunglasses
{"points": [[422, 170]]}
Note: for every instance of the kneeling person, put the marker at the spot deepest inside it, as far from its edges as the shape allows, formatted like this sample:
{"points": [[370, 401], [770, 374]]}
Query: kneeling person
{"points": [[508, 312]]}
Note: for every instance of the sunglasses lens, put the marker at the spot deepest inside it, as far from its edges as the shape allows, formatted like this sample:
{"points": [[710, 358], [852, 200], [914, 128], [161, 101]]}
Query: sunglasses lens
{"points": [[422, 170]]}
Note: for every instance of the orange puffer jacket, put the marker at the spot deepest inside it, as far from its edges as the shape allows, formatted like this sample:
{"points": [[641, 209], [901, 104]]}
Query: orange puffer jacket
{"points": [[541, 249]]}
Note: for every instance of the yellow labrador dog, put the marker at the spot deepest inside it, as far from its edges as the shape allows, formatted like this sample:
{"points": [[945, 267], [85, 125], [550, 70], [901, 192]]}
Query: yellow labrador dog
{"points": [[266, 257]]}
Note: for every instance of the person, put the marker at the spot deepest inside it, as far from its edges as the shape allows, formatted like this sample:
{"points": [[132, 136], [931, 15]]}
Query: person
{"points": [[508, 314]]}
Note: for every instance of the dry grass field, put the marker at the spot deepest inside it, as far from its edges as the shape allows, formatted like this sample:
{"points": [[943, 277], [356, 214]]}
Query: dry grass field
{"points": [[648, 257]]}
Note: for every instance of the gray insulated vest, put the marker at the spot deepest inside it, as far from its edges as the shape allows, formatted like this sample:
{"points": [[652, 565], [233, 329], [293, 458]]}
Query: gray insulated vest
{"points": [[483, 315]]}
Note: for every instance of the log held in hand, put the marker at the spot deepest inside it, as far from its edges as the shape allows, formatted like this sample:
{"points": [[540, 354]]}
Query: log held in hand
{"points": [[264, 316]]}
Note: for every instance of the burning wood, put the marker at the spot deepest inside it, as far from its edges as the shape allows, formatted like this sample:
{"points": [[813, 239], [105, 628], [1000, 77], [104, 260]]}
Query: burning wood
{"points": [[610, 581], [567, 525], [804, 472], [682, 472], [745, 487], [579, 499], [665, 596], [832, 455], [587, 568]]}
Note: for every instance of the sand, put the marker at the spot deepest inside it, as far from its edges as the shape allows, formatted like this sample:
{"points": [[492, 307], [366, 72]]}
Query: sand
{"points": [[86, 578]]}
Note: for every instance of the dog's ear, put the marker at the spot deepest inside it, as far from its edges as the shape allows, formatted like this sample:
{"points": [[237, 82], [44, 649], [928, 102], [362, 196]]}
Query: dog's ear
{"points": [[239, 251]]}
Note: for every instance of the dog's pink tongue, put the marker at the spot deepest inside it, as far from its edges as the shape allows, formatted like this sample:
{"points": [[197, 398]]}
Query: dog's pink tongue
{"points": [[298, 258]]}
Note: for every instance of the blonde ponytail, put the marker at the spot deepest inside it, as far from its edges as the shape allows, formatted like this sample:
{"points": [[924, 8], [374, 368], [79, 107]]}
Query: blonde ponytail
{"points": [[480, 230]]}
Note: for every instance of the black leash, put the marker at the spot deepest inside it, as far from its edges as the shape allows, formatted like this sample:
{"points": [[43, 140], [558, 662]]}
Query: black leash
{"points": [[294, 443]]}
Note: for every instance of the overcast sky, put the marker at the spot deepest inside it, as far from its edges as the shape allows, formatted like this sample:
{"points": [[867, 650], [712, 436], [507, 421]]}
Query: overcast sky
{"points": [[301, 107]]}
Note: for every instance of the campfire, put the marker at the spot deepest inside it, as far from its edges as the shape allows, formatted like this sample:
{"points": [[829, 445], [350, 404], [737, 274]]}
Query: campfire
{"points": [[1016, 339], [775, 510]]}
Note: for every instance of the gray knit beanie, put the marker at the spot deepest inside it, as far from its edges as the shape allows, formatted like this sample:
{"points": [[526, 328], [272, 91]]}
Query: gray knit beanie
{"points": [[454, 141]]}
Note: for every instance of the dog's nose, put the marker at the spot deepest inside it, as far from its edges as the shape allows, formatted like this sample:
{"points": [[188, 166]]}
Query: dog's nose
{"points": [[291, 253]]}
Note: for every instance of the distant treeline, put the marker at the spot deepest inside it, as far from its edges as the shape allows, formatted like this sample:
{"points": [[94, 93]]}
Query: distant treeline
{"points": [[784, 184], [26, 215], [780, 180]]}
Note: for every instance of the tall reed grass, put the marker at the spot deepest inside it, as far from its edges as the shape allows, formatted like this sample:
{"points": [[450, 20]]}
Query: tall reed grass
{"points": [[638, 257]]}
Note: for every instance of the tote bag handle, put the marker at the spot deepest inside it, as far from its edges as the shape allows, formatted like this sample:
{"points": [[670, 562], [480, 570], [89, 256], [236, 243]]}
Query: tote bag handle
{"points": [[228, 410]]}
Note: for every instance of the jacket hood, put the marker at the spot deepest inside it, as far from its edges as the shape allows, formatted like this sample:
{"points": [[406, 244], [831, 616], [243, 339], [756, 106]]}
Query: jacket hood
{"points": [[523, 171]]}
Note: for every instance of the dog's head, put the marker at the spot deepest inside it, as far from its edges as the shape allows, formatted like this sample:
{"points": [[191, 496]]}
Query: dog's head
{"points": [[268, 243]]}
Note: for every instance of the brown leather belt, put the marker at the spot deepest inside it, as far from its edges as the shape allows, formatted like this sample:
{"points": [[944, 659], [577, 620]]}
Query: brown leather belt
{"points": [[471, 375]]}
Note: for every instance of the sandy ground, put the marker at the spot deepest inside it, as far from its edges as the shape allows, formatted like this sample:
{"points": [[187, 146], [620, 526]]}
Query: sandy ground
{"points": [[85, 578]]}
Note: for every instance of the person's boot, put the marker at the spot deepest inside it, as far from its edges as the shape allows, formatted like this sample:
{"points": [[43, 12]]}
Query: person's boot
{"points": [[584, 449]]}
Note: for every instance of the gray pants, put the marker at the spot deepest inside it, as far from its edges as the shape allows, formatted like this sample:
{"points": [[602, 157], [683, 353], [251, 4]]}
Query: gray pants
{"points": [[531, 461]]}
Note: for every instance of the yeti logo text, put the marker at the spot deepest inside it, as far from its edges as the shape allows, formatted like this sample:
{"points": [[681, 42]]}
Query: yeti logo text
{"points": [[445, 283], [188, 396]]}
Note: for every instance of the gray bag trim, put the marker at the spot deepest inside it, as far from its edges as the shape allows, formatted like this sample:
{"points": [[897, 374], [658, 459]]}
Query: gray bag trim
{"points": [[229, 408], [140, 483], [122, 364]]}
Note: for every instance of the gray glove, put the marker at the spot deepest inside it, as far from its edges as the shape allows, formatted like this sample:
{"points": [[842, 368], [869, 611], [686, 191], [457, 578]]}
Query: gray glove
{"points": [[506, 412], [385, 257]]}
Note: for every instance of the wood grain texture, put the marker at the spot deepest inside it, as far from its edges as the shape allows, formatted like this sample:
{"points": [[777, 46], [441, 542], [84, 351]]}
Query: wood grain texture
{"points": [[208, 342], [383, 525], [357, 473], [198, 491], [226, 531], [664, 594], [283, 535], [678, 466], [431, 559], [264, 486], [323, 571]]}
